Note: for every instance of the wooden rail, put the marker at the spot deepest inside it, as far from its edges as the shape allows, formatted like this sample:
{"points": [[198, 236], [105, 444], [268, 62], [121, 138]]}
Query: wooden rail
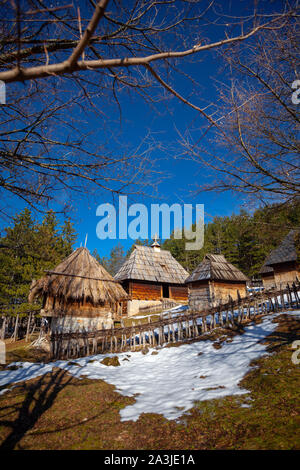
{"points": [[181, 327]]}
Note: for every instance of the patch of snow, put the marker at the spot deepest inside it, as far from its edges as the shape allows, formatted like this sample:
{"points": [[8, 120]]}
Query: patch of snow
{"points": [[171, 381], [25, 371]]}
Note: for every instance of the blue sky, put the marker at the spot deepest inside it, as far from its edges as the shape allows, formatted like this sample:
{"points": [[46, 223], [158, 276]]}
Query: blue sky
{"points": [[170, 119], [180, 176]]}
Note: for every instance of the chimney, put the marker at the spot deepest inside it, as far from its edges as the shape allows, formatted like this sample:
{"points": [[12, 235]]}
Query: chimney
{"points": [[155, 245]]}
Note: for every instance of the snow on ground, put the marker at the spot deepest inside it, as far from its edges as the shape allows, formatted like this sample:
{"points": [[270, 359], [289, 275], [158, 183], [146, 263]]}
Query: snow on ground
{"points": [[172, 380]]}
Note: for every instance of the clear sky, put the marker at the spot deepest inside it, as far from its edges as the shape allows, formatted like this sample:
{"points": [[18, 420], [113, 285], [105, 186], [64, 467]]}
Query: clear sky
{"points": [[180, 176], [166, 122]]}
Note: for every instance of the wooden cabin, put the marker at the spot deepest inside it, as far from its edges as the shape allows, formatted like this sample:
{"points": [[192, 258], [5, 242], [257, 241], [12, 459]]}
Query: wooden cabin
{"points": [[79, 294], [267, 276], [151, 275], [284, 260], [213, 280]]}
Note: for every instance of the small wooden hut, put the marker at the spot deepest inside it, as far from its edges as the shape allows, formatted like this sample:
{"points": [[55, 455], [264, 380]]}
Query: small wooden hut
{"points": [[267, 275], [151, 275], [284, 260], [213, 280], [79, 294]]}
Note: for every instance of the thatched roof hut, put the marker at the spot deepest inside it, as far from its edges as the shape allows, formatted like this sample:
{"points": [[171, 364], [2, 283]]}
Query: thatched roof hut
{"points": [[79, 287], [213, 280], [284, 260], [150, 275]]}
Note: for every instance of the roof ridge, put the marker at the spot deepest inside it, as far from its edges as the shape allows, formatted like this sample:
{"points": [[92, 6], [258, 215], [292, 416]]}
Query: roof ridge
{"points": [[142, 247]]}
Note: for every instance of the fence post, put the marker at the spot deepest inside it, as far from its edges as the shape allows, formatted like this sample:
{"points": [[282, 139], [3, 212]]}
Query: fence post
{"points": [[289, 296], [220, 315], [296, 294], [204, 325]]}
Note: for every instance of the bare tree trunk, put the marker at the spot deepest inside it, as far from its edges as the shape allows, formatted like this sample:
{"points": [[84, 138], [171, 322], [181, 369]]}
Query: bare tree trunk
{"points": [[16, 329], [3, 328], [33, 329], [28, 327]]}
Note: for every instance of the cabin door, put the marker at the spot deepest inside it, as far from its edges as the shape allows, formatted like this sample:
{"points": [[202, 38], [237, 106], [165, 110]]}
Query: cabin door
{"points": [[166, 294]]}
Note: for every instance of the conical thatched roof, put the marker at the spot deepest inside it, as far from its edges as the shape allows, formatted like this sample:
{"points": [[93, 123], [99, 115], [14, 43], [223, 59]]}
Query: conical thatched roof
{"points": [[146, 264], [79, 278], [216, 268], [286, 252]]}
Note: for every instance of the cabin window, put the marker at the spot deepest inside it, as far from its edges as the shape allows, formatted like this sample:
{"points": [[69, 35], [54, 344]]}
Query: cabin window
{"points": [[166, 294]]}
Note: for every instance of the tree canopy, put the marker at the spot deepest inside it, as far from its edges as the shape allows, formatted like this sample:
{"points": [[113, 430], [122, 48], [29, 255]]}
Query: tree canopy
{"points": [[28, 249], [245, 239]]}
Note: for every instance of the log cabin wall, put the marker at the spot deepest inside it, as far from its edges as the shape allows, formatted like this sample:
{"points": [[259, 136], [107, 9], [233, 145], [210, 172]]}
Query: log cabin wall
{"points": [[199, 295], [150, 291], [204, 294], [178, 293], [268, 281], [286, 273], [221, 290], [141, 294], [148, 294], [145, 291]]}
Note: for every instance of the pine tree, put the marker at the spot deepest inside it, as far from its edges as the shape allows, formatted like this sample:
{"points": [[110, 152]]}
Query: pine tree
{"points": [[245, 239], [28, 250], [68, 236]]}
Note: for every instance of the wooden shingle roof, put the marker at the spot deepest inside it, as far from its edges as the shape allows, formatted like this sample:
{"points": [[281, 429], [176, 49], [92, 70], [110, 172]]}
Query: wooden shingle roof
{"points": [[216, 268], [146, 264], [266, 270], [285, 252]]}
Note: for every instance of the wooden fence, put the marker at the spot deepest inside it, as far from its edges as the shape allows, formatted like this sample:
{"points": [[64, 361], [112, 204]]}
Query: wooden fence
{"points": [[164, 305], [169, 328]]}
